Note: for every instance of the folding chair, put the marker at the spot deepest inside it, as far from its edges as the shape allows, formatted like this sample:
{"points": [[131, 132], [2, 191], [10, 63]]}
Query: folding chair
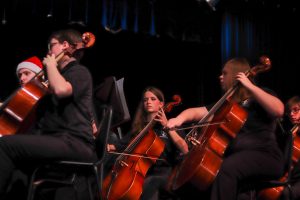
{"points": [[64, 173]]}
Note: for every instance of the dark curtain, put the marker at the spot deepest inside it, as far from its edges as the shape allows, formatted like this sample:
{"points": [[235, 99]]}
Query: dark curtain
{"points": [[272, 32]]}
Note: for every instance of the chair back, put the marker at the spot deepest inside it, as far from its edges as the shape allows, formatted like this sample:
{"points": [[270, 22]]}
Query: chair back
{"points": [[285, 140], [288, 152], [103, 127]]}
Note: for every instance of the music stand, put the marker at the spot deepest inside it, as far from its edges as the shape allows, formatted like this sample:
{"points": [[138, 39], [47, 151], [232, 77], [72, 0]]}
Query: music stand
{"points": [[111, 92]]}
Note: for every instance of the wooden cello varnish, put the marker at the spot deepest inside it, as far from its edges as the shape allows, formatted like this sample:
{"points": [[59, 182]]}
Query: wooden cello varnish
{"points": [[17, 114]]}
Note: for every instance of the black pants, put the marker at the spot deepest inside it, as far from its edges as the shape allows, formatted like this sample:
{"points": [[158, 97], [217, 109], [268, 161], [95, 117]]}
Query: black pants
{"points": [[18, 186], [241, 166], [27, 151], [155, 181], [295, 185]]}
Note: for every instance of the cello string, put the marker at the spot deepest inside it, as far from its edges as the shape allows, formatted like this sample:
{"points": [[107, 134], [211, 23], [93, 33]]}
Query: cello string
{"points": [[195, 126], [136, 155], [141, 134]]}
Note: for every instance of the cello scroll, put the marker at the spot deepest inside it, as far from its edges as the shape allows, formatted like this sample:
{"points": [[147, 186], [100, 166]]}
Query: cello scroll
{"points": [[88, 40], [169, 106], [265, 65]]}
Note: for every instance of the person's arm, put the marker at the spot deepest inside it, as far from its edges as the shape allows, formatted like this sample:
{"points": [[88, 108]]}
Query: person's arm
{"points": [[188, 115], [179, 142], [174, 136], [121, 144], [270, 103], [57, 83]]}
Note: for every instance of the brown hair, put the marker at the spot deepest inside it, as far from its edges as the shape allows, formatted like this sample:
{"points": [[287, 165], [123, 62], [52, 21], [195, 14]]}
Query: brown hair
{"points": [[292, 101], [140, 115], [238, 65]]}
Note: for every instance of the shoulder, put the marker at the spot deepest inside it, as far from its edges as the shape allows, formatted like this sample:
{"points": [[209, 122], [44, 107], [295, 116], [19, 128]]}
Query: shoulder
{"points": [[78, 71]]}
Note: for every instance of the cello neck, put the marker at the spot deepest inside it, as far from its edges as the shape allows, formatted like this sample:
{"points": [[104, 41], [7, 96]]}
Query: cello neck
{"points": [[295, 129]]}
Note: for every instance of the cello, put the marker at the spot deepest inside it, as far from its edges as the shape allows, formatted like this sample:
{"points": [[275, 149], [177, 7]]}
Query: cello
{"points": [[275, 192], [17, 112], [201, 165], [125, 180]]}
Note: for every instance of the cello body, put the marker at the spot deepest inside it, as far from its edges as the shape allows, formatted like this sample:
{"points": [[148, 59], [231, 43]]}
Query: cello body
{"points": [[203, 162], [131, 171], [18, 112]]}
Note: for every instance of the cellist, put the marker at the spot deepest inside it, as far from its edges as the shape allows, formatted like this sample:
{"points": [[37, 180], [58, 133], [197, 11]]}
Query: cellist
{"points": [[63, 130], [27, 69], [150, 106], [254, 152], [293, 112]]}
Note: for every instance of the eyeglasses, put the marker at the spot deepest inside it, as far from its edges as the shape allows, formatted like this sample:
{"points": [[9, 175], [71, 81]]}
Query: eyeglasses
{"points": [[50, 45], [294, 111]]}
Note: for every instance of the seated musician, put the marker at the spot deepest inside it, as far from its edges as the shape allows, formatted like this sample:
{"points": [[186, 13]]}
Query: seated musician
{"points": [[254, 153], [27, 69], [64, 126], [150, 107], [293, 112]]}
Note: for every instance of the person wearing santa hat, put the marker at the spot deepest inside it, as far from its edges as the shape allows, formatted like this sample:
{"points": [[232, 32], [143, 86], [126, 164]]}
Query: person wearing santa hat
{"points": [[28, 68], [25, 70]]}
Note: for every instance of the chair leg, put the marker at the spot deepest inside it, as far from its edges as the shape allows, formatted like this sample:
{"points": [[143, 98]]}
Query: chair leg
{"points": [[91, 195], [253, 194], [290, 193], [31, 192], [98, 181], [32, 186]]}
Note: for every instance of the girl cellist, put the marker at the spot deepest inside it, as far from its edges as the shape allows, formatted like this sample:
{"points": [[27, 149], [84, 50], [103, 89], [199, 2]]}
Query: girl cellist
{"points": [[150, 107], [293, 112], [254, 152]]}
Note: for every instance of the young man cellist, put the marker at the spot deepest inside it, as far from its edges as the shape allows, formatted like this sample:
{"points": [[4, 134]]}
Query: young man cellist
{"points": [[63, 130], [27, 69]]}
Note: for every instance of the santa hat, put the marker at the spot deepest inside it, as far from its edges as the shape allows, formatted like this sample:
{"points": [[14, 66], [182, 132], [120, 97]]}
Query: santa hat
{"points": [[34, 64]]}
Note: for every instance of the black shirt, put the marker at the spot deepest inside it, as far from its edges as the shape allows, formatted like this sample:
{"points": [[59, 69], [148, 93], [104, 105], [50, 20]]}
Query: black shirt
{"points": [[72, 114]]}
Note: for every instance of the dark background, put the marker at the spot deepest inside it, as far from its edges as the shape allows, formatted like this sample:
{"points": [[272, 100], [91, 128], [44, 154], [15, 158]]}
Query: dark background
{"points": [[176, 45]]}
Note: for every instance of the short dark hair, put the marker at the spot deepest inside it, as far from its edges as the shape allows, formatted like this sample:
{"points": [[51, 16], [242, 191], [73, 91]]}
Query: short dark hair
{"points": [[72, 36]]}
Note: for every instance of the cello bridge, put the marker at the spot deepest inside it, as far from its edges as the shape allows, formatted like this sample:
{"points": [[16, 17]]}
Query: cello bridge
{"points": [[193, 140], [122, 163]]}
